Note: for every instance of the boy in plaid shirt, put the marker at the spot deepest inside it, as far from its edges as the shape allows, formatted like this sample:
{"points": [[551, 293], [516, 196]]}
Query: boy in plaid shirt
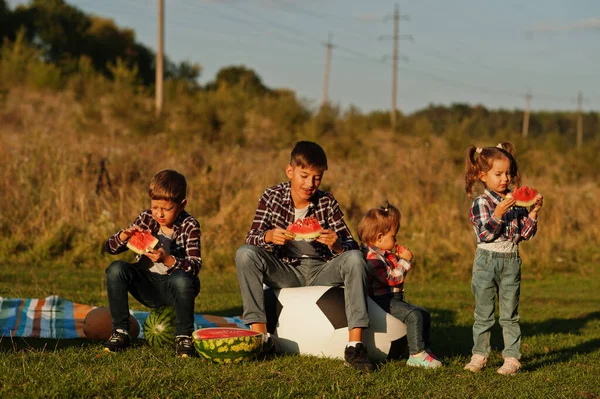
{"points": [[165, 275], [273, 257], [388, 265]]}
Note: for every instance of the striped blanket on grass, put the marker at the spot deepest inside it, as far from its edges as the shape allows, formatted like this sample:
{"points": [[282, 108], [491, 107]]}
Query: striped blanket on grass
{"points": [[54, 317]]}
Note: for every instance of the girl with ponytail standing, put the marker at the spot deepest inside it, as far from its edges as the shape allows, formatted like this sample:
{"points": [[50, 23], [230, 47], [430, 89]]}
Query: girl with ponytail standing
{"points": [[499, 228]]}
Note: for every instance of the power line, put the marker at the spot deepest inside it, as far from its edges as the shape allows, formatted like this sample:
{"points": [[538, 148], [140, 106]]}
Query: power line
{"points": [[295, 36]]}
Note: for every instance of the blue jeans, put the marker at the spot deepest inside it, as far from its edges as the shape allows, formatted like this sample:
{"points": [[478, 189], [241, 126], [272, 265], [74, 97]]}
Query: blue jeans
{"points": [[496, 273], [417, 320], [178, 289], [255, 266]]}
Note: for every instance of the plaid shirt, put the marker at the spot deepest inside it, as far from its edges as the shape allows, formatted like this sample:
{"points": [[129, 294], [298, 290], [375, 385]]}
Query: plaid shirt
{"points": [[386, 271], [276, 209], [185, 246], [515, 225]]}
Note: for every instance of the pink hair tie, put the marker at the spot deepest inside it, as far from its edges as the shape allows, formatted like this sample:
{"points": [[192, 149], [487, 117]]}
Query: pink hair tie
{"points": [[478, 150]]}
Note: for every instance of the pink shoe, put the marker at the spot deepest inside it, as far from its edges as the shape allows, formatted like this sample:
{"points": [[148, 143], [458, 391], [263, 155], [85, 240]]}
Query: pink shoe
{"points": [[510, 367], [476, 364]]}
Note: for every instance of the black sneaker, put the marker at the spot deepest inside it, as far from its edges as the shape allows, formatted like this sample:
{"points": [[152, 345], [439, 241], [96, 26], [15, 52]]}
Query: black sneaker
{"points": [[270, 347], [118, 341], [184, 346], [356, 356]]}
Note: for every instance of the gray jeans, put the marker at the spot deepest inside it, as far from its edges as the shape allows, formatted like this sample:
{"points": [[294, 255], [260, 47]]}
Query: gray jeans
{"points": [[496, 273], [417, 320], [256, 266]]}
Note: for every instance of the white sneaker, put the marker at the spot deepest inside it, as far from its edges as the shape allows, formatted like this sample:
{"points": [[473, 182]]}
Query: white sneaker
{"points": [[510, 367], [477, 363]]}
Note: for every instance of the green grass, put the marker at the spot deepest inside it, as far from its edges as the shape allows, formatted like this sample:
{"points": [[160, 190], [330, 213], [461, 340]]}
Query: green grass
{"points": [[561, 348]]}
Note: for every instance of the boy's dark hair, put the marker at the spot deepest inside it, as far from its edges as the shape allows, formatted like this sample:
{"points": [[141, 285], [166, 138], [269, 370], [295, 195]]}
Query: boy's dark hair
{"points": [[168, 185], [307, 154], [378, 220]]}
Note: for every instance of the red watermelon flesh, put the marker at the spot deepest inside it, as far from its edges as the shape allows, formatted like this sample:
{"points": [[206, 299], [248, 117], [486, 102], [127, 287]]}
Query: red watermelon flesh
{"points": [[306, 229], [141, 241], [222, 332], [524, 196]]}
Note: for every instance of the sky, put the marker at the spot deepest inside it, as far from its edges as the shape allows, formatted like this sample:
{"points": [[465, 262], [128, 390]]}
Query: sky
{"points": [[487, 52]]}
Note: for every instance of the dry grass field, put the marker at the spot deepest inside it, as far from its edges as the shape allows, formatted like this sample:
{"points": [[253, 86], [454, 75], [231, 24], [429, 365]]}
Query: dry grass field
{"points": [[74, 172]]}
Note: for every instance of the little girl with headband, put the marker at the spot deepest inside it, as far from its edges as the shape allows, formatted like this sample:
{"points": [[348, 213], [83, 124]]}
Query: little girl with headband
{"points": [[499, 228]]}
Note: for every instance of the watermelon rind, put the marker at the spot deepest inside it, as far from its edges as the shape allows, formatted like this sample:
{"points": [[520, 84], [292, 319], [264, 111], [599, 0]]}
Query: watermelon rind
{"points": [[159, 327], [227, 350], [306, 236]]}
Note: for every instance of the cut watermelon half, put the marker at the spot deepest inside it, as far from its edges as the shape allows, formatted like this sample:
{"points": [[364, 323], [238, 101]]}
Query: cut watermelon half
{"points": [[524, 196], [227, 344], [141, 241], [306, 229]]}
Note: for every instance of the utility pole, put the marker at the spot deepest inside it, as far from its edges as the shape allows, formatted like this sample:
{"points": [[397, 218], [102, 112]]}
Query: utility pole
{"points": [[395, 65], [579, 120], [528, 97], [395, 57], [329, 46], [160, 58]]}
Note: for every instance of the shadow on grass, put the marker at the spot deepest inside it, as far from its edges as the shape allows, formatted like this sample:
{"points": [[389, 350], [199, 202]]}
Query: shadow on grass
{"points": [[561, 356], [14, 344], [449, 339]]}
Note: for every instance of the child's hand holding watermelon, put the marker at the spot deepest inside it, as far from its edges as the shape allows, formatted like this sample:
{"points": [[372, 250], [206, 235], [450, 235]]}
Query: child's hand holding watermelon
{"points": [[503, 207], [129, 231], [539, 202], [160, 256], [279, 236], [404, 253], [329, 238]]}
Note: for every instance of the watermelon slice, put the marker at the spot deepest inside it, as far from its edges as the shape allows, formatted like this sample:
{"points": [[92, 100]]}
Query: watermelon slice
{"points": [[306, 229], [141, 241], [227, 344], [524, 196]]}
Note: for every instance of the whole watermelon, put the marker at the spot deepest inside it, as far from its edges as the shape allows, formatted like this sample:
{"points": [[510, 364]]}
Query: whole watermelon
{"points": [[227, 344], [159, 327]]}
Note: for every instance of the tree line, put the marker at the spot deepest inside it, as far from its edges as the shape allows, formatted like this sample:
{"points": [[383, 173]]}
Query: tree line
{"points": [[63, 35]]}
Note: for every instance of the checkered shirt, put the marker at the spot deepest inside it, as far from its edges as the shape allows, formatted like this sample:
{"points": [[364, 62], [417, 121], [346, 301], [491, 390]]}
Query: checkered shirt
{"points": [[276, 209], [515, 225], [185, 246]]}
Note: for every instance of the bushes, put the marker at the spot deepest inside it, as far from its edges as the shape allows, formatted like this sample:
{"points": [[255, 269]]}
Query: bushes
{"points": [[20, 64]]}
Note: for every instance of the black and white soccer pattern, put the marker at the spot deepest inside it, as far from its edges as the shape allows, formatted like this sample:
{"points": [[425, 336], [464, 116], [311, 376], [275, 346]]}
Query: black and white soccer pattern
{"points": [[312, 320]]}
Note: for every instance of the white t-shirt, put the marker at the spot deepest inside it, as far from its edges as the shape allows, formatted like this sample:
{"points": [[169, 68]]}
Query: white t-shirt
{"points": [[164, 242], [300, 248]]}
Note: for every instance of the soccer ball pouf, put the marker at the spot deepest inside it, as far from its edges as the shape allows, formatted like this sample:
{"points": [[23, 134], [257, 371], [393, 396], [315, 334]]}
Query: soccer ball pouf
{"points": [[97, 324], [312, 321]]}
